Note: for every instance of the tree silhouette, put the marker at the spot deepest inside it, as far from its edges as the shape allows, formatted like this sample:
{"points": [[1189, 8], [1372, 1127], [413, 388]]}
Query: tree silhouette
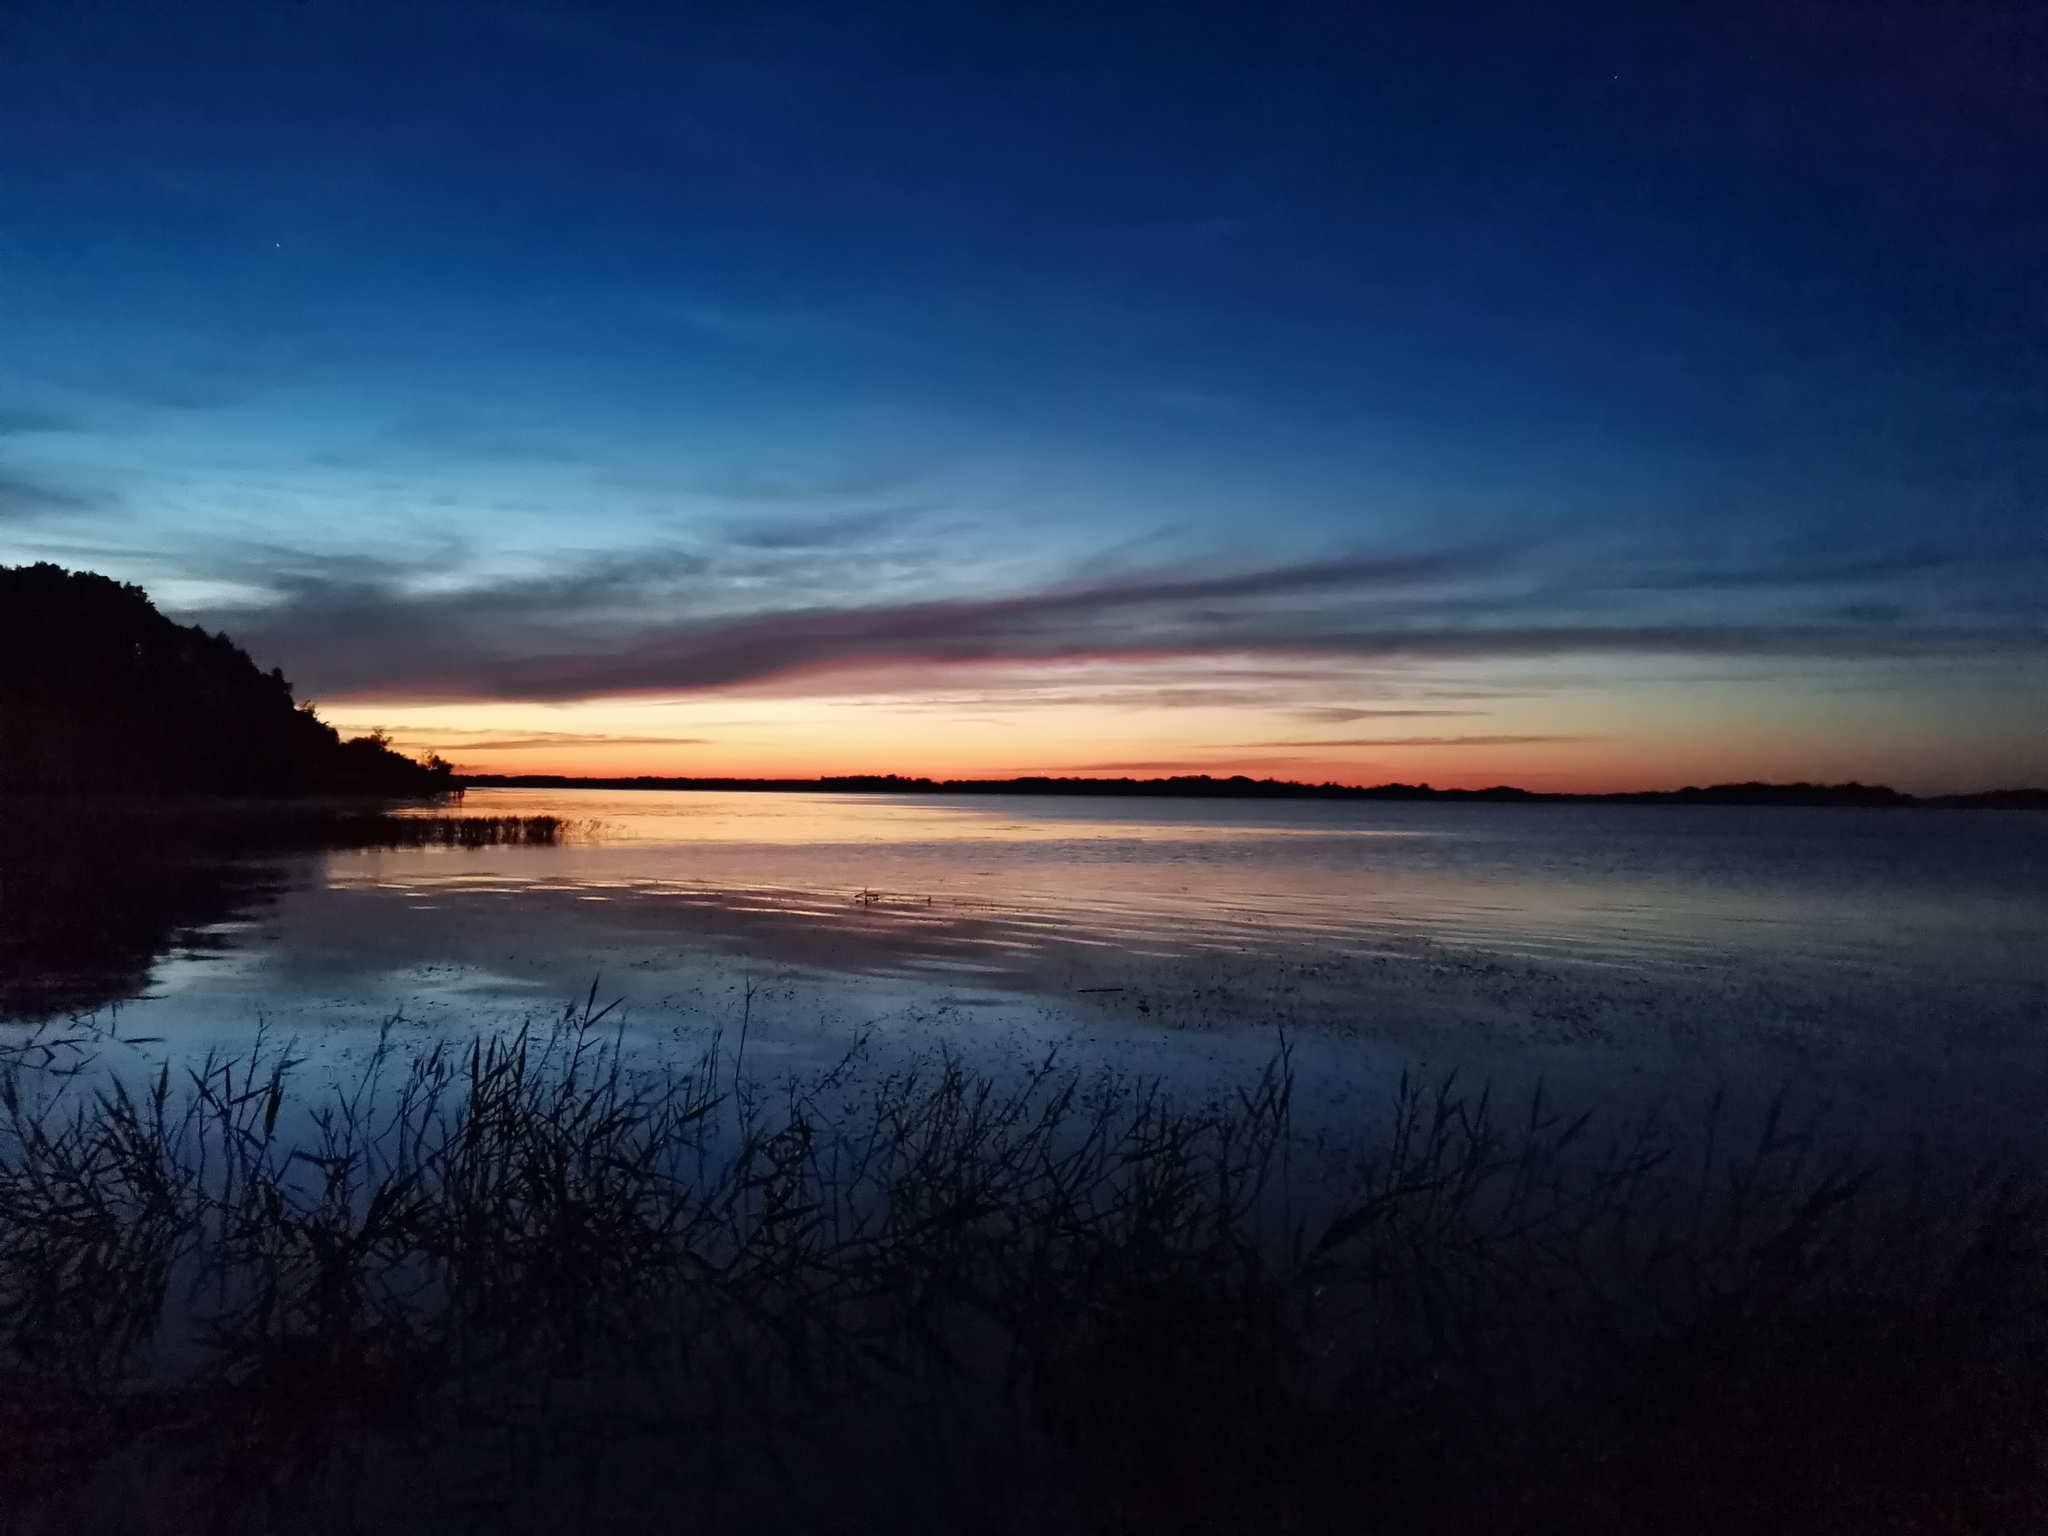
{"points": [[100, 693]]}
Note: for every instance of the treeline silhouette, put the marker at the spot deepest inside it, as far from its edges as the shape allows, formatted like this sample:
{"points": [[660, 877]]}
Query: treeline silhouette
{"points": [[102, 694], [1200, 786]]}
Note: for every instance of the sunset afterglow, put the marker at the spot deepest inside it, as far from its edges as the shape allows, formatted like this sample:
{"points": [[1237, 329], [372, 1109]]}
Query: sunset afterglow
{"points": [[1579, 400]]}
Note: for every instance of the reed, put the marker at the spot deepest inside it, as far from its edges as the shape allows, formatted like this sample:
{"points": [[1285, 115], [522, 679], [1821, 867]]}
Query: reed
{"points": [[370, 830], [525, 1276]]}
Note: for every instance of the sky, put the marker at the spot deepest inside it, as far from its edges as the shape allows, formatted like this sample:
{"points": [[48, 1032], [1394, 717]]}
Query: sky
{"points": [[1576, 396]]}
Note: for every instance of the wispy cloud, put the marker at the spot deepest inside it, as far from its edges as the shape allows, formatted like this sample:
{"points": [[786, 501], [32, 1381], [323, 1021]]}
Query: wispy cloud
{"points": [[676, 621], [1337, 715], [758, 326], [469, 436], [21, 420], [1424, 741], [836, 532], [540, 740], [24, 496]]}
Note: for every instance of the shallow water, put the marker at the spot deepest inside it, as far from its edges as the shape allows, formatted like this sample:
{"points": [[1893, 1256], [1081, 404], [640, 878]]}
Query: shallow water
{"points": [[1884, 957]]}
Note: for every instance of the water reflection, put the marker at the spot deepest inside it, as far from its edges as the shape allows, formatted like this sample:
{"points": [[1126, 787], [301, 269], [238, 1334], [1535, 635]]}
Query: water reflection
{"points": [[96, 893], [91, 902], [1646, 889], [1446, 931], [744, 932]]}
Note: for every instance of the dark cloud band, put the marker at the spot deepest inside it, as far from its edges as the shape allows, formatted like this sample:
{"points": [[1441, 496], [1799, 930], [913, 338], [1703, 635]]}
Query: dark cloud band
{"points": [[615, 629]]}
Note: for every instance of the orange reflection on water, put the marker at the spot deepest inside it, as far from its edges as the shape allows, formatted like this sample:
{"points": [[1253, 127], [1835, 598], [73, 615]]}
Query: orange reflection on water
{"points": [[682, 817]]}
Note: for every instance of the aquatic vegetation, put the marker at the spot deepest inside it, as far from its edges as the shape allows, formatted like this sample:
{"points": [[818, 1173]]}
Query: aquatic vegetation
{"points": [[364, 830], [522, 1279]]}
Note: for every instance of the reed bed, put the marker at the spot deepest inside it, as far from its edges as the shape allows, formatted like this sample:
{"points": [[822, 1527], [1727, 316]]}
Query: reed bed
{"points": [[523, 1284], [369, 830]]}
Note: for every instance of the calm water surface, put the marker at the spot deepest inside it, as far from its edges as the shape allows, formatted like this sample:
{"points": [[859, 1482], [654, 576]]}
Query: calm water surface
{"points": [[1890, 954]]}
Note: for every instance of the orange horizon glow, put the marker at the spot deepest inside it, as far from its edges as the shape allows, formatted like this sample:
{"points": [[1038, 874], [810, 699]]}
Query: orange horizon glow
{"points": [[1541, 727]]}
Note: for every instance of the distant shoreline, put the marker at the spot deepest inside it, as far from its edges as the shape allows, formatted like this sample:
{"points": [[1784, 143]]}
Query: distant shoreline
{"points": [[1239, 787]]}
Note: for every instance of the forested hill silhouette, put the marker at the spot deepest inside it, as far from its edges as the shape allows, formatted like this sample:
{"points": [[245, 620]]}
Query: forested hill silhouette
{"points": [[100, 693]]}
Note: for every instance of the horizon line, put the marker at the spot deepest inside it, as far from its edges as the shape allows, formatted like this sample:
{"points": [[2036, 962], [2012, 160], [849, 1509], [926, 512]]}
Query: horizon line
{"points": [[1753, 791]]}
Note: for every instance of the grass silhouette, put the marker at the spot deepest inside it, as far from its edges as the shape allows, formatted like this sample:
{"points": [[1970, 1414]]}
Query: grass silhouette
{"points": [[523, 1283]]}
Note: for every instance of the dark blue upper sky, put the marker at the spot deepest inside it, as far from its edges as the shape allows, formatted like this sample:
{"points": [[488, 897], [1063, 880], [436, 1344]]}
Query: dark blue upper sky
{"points": [[430, 341]]}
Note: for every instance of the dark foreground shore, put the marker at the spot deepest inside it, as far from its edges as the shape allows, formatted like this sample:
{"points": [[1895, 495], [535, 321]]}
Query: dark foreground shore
{"points": [[515, 1285]]}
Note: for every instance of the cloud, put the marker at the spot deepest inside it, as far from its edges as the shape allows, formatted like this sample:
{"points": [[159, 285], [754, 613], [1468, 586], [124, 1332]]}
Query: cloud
{"points": [[758, 327], [471, 736], [1424, 741], [720, 655], [469, 437], [20, 420], [537, 740], [1795, 569], [667, 621], [845, 531], [608, 626], [851, 482], [1119, 618], [24, 496], [1336, 715]]}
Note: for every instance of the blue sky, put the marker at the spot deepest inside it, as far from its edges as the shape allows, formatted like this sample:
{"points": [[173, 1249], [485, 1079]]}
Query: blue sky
{"points": [[1675, 365]]}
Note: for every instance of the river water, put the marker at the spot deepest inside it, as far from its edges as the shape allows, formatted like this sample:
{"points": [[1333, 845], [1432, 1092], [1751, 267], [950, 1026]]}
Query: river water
{"points": [[1893, 961]]}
